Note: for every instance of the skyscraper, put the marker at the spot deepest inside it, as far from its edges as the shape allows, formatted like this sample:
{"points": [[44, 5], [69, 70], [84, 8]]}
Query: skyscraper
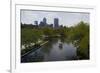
{"points": [[44, 21], [36, 22], [56, 22], [41, 24]]}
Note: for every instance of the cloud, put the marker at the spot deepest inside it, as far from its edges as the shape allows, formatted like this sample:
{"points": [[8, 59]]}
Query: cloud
{"points": [[65, 18]]}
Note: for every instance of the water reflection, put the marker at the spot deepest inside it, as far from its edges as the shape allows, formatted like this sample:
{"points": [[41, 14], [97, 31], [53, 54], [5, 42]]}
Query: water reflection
{"points": [[55, 50]]}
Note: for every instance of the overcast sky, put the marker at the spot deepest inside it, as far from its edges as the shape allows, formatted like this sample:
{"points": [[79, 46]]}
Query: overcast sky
{"points": [[65, 18]]}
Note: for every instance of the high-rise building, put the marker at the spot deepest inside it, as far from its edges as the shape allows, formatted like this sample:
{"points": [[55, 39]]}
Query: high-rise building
{"points": [[36, 22], [41, 24], [44, 21], [56, 22]]}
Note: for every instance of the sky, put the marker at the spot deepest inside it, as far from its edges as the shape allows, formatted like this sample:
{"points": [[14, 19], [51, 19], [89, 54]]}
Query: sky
{"points": [[65, 18]]}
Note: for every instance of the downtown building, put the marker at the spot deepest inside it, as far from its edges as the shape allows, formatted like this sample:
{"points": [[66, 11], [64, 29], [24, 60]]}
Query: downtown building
{"points": [[44, 23], [56, 23]]}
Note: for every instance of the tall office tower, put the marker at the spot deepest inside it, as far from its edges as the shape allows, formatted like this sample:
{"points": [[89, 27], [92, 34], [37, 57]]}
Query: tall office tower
{"points": [[56, 22], [36, 22], [41, 24], [44, 21]]}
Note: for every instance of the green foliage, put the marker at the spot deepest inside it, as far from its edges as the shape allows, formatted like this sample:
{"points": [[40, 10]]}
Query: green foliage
{"points": [[63, 32], [30, 35], [80, 33], [84, 46], [48, 31]]}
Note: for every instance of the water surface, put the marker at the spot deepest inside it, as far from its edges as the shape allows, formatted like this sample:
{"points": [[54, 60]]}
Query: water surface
{"points": [[55, 50]]}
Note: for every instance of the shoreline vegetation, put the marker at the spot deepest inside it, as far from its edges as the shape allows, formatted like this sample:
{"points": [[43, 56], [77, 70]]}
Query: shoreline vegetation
{"points": [[30, 47], [33, 37]]}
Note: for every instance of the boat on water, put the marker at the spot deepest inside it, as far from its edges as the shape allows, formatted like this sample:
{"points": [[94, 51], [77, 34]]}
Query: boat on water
{"points": [[60, 45]]}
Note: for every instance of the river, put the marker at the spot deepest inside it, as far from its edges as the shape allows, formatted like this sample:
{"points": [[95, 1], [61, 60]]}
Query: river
{"points": [[55, 50]]}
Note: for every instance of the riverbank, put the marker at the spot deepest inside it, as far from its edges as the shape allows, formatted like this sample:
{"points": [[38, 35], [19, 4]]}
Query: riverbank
{"points": [[32, 48]]}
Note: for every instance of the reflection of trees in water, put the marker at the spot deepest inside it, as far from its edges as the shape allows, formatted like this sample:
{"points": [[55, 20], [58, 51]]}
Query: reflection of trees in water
{"points": [[32, 59], [52, 40], [47, 47], [82, 53], [36, 57]]}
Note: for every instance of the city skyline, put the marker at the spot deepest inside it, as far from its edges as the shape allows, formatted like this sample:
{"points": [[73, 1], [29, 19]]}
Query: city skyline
{"points": [[65, 18], [44, 23]]}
